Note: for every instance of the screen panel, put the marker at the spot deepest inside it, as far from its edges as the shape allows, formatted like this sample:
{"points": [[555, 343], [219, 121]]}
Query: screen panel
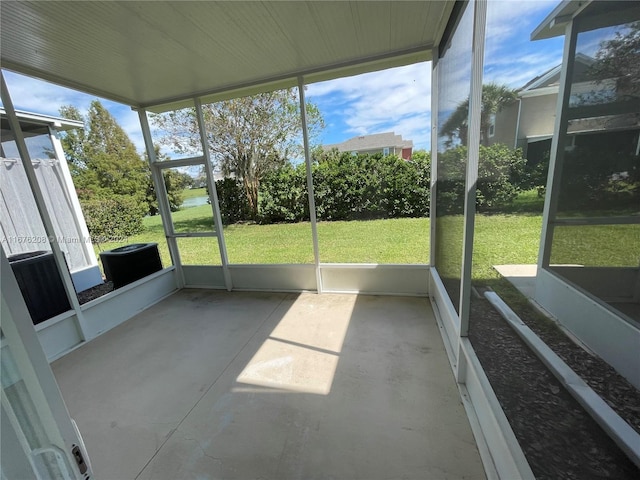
{"points": [[454, 86]]}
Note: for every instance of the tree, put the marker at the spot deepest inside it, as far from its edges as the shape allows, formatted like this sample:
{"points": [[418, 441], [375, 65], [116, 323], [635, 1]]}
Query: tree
{"points": [[619, 58], [106, 166], [104, 159], [247, 137], [73, 140], [174, 181], [494, 98]]}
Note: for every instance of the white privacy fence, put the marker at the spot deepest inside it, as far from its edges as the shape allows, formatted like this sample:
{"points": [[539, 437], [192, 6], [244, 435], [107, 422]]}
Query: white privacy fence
{"points": [[21, 227]]}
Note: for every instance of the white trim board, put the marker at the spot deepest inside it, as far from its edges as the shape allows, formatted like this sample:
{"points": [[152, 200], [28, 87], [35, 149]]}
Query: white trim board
{"points": [[499, 449], [374, 279], [601, 330], [62, 334]]}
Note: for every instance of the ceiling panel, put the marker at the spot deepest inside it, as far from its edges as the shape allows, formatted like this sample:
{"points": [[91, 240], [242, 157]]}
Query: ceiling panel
{"points": [[150, 53]]}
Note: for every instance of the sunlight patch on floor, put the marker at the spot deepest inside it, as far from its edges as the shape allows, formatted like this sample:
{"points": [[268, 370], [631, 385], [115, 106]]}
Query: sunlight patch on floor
{"points": [[302, 352], [290, 367]]}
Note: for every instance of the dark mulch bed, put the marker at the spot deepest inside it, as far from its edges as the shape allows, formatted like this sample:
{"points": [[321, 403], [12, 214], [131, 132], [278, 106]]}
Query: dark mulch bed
{"points": [[614, 389], [95, 292], [559, 439]]}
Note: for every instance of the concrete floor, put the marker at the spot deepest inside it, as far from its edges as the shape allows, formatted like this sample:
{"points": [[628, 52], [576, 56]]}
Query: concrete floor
{"points": [[213, 384]]}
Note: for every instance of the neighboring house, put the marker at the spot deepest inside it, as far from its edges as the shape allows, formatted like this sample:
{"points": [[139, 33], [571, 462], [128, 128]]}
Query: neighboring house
{"points": [[387, 143], [528, 123]]}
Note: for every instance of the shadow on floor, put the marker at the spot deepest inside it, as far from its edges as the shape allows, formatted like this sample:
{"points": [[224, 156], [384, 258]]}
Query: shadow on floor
{"points": [[267, 385]]}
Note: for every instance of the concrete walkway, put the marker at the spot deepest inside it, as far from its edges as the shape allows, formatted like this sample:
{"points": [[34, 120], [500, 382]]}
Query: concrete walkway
{"points": [[275, 386], [523, 277]]}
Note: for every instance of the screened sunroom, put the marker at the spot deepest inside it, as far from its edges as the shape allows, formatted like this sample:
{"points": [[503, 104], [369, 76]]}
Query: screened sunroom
{"points": [[316, 364]]}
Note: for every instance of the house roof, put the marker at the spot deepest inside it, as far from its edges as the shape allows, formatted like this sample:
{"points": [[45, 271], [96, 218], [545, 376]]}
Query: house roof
{"points": [[29, 121], [551, 78], [554, 24], [372, 142], [146, 54], [599, 13]]}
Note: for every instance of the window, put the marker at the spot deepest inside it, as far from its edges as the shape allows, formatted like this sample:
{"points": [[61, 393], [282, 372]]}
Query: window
{"points": [[374, 209], [266, 209], [454, 87], [595, 241], [492, 125]]}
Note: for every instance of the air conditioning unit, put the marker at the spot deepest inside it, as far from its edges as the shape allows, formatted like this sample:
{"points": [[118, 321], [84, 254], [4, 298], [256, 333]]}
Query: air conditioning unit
{"points": [[127, 264], [40, 283]]}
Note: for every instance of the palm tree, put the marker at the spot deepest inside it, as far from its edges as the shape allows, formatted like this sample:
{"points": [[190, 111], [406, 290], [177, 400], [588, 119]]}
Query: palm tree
{"points": [[494, 98]]}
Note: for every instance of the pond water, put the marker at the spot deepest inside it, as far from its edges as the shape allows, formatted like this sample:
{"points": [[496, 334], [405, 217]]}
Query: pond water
{"points": [[195, 202]]}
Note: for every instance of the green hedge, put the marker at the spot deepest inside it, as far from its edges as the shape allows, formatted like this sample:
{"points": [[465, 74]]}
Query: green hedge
{"points": [[363, 187], [113, 218], [350, 187], [282, 196], [232, 200], [501, 173]]}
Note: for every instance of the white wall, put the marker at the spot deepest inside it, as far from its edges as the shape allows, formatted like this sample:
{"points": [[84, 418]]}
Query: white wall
{"points": [[604, 332]]}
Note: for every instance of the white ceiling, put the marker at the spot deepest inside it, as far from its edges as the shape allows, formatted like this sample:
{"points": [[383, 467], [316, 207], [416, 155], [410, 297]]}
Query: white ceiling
{"points": [[152, 53]]}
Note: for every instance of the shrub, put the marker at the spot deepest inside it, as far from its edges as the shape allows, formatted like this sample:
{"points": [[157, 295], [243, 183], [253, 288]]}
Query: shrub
{"points": [[346, 187], [500, 172], [232, 200], [600, 177], [283, 195], [406, 186], [113, 218], [350, 187]]}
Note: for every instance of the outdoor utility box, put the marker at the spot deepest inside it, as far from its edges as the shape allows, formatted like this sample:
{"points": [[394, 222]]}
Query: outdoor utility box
{"points": [[127, 264], [40, 283]]}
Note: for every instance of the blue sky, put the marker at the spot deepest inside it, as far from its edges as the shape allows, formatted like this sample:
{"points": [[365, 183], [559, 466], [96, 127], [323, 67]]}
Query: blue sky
{"points": [[393, 100]]}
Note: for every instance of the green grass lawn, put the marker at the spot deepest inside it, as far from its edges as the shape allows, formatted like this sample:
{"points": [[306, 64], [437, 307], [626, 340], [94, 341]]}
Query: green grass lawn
{"points": [[499, 239], [193, 192], [597, 245], [526, 202]]}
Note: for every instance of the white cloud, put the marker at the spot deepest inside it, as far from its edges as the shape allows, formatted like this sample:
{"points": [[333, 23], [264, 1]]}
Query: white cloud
{"points": [[397, 99], [516, 71], [400, 99], [33, 95], [506, 18]]}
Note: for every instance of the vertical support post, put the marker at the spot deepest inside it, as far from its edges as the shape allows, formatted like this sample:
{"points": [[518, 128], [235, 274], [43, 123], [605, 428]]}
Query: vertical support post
{"points": [[214, 193], [558, 141], [475, 107], [310, 193], [161, 196], [47, 221], [434, 160], [517, 135]]}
